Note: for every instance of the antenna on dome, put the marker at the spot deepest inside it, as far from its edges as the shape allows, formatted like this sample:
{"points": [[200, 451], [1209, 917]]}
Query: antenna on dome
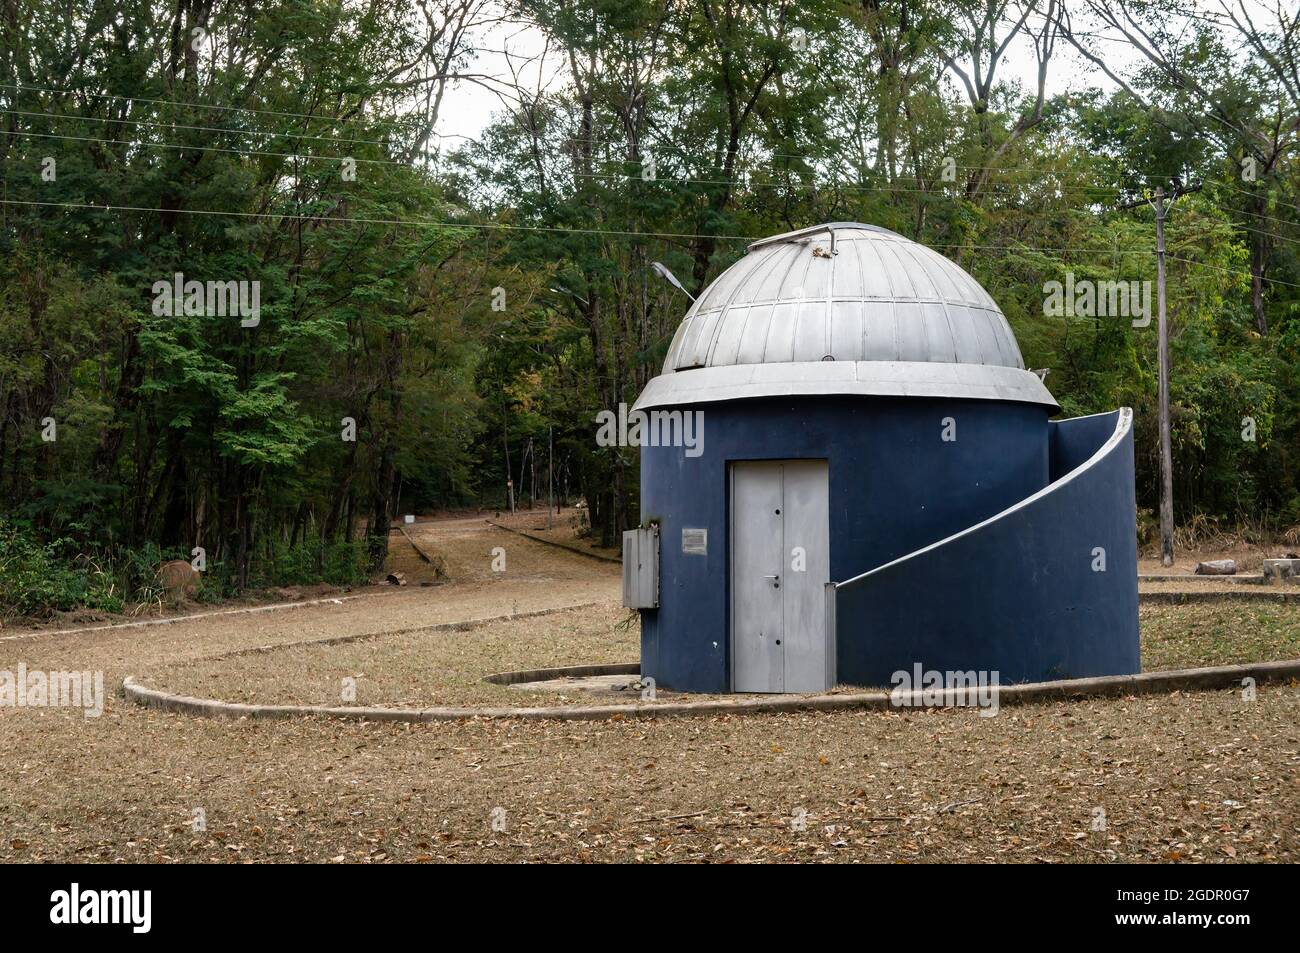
{"points": [[660, 269]]}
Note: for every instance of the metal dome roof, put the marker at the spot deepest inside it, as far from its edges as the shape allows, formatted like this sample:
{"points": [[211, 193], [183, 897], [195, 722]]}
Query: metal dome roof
{"points": [[843, 308]]}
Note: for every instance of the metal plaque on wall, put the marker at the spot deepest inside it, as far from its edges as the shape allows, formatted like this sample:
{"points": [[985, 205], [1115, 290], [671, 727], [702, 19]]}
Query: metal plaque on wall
{"points": [[695, 541]]}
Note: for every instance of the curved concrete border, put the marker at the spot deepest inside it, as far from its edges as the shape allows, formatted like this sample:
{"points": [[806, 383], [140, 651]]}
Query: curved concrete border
{"points": [[194, 616], [567, 671], [437, 562], [1241, 579], [1220, 595], [1192, 679], [463, 625]]}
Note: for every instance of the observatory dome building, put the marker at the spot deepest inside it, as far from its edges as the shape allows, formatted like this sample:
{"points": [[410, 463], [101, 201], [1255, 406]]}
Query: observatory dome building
{"points": [[876, 483]]}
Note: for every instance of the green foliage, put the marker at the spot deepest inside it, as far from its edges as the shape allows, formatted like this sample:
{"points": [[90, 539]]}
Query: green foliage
{"points": [[36, 578], [338, 563], [227, 163]]}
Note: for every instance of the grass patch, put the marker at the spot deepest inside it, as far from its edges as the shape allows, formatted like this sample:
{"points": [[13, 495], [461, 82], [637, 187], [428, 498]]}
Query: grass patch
{"points": [[1218, 633]]}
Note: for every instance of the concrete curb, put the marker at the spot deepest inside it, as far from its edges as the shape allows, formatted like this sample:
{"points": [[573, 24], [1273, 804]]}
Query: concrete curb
{"points": [[193, 616], [461, 626], [437, 562], [551, 542], [1245, 595], [1192, 679], [567, 671], [1243, 579]]}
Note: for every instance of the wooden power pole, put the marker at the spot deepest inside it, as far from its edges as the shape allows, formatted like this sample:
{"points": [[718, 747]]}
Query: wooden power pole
{"points": [[1166, 448], [1162, 326]]}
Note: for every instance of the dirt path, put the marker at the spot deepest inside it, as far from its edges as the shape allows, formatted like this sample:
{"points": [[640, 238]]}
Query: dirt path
{"points": [[536, 577], [1209, 776]]}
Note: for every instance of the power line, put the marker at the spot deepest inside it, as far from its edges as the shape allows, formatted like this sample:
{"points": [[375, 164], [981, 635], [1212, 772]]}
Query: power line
{"points": [[1229, 271], [177, 102], [290, 134], [749, 183], [746, 183], [196, 148], [618, 233], [295, 134], [684, 180], [333, 120], [1213, 18], [1228, 211], [1248, 228], [350, 220], [298, 155], [1233, 188]]}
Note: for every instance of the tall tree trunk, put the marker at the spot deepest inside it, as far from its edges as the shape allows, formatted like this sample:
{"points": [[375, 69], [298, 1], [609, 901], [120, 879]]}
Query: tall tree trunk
{"points": [[385, 476], [381, 519]]}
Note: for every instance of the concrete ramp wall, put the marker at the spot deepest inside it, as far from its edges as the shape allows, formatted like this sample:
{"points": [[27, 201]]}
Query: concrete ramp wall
{"points": [[1045, 589]]}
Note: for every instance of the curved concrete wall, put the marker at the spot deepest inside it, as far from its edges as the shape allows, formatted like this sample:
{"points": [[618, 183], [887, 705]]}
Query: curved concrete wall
{"points": [[1024, 593], [895, 486]]}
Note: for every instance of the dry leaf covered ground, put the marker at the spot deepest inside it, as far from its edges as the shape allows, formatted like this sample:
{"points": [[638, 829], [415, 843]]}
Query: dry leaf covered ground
{"points": [[424, 669], [1205, 776]]}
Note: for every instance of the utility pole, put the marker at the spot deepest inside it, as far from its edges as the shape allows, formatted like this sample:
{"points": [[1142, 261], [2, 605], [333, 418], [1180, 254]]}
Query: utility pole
{"points": [[1166, 448], [505, 442], [550, 476]]}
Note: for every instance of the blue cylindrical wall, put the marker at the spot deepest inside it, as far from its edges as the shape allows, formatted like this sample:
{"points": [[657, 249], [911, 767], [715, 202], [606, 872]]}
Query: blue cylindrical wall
{"points": [[895, 485], [1046, 591]]}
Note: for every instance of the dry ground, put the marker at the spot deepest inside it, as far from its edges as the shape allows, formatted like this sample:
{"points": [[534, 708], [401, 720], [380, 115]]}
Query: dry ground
{"points": [[424, 669], [418, 670], [564, 528], [1249, 557], [1206, 776], [1216, 584]]}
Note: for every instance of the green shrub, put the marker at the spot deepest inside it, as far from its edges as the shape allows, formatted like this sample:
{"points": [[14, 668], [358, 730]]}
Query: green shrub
{"points": [[32, 581], [40, 578]]}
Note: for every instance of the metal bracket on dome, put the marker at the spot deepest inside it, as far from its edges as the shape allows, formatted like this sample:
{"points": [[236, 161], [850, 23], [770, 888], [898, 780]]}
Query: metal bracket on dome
{"points": [[796, 236]]}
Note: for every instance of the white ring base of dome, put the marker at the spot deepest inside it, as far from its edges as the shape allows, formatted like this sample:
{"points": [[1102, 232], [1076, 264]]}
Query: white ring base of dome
{"points": [[854, 378]]}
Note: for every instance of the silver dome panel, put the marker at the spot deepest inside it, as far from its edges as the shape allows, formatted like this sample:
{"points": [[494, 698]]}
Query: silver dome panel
{"points": [[879, 297]]}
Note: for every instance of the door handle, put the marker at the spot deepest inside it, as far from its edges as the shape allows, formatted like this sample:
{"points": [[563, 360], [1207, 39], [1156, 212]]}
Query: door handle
{"points": [[776, 581]]}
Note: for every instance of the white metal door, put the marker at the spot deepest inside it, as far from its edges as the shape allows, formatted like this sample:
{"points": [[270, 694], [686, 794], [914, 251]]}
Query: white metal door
{"points": [[780, 563]]}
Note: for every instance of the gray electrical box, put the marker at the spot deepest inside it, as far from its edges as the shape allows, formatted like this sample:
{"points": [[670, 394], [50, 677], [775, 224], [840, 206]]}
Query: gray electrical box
{"points": [[641, 568]]}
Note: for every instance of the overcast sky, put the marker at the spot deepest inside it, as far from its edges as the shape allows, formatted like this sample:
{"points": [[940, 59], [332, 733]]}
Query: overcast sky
{"points": [[470, 107]]}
